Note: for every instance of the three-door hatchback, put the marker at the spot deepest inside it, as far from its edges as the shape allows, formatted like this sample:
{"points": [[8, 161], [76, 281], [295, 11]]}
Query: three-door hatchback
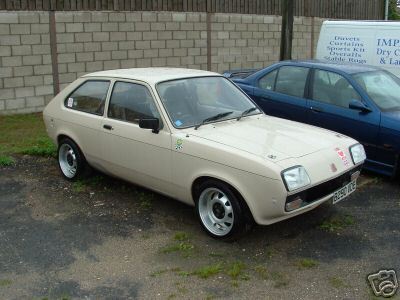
{"points": [[196, 137]]}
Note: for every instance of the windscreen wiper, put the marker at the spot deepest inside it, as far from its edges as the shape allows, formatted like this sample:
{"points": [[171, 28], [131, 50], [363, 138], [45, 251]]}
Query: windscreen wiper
{"points": [[246, 112], [213, 118]]}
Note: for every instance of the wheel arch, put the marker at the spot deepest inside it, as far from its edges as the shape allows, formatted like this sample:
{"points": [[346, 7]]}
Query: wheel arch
{"points": [[199, 180]]}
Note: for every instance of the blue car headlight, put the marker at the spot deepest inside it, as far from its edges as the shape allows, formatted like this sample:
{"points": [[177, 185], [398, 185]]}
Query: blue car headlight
{"points": [[357, 153], [295, 178]]}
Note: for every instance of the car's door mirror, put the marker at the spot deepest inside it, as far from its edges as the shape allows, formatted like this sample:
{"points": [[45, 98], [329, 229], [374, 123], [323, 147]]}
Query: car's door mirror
{"points": [[150, 123], [358, 105]]}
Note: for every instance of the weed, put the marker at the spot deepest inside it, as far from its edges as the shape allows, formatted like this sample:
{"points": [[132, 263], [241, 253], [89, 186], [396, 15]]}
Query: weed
{"points": [[209, 297], [83, 184], [208, 271], [6, 161], [280, 280], [235, 283], [336, 282], [307, 263], [184, 248], [184, 273], [146, 200], [235, 269], [158, 273], [213, 254], [261, 271], [79, 186], [172, 296], [5, 282], [337, 223], [181, 236]]}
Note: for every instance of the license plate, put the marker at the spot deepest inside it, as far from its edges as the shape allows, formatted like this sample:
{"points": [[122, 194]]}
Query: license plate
{"points": [[344, 192]]}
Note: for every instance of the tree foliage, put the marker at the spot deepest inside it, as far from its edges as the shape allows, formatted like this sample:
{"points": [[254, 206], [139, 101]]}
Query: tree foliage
{"points": [[393, 12]]}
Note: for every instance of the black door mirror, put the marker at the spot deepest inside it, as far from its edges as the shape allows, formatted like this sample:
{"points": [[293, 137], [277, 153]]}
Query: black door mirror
{"points": [[358, 105], [150, 123]]}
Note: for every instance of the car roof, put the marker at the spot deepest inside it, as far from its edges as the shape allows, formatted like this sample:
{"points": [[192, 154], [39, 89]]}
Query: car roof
{"points": [[152, 75], [336, 66]]}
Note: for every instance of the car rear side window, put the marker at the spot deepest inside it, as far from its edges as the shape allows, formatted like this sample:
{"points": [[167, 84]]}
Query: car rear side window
{"points": [[292, 81], [333, 88], [89, 97], [267, 82], [131, 102]]}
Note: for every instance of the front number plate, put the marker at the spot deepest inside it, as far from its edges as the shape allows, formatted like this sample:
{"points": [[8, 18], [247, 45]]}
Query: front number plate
{"points": [[344, 192]]}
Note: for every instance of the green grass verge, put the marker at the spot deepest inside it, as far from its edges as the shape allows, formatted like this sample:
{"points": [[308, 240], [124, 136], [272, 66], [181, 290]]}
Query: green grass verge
{"points": [[6, 161], [25, 134]]}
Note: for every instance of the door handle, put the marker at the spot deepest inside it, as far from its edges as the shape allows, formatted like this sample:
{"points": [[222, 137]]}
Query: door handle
{"points": [[316, 109], [108, 127]]}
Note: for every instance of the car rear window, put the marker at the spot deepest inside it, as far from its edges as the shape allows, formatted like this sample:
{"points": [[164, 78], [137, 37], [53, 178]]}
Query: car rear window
{"points": [[89, 97]]}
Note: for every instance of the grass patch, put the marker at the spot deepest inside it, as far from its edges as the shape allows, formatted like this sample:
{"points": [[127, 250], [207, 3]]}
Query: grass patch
{"points": [[184, 248], [159, 272], [208, 271], [181, 236], [25, 134], [337, 223], [83, 184], [146, 200], [183, 245], [280, 280], [6, 161], [261, 271], [337, 282], [5, 282], [235, 269], [307, 263]]}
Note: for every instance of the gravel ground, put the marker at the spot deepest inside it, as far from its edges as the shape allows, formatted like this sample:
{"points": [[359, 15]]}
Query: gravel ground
{"points": [[103, 238]]}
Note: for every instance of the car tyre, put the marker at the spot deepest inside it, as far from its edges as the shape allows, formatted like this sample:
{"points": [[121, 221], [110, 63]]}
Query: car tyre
{"points": [[71, 160], [222, 212]]}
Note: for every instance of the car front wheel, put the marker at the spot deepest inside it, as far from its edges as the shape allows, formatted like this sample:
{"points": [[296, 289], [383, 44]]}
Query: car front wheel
{"points": [[221, 212], [70, 159]]}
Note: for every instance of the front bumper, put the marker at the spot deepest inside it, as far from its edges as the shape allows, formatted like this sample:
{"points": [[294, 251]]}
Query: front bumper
{"points": [[323, 190]]}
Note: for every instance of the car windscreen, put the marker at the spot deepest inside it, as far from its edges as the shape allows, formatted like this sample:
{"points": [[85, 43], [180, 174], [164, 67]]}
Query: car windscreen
{"points": [[191, 101], [382, 87]]}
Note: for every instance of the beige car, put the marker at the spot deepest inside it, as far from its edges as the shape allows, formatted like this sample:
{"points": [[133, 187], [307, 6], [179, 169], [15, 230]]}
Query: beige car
{"points": [[196, 137]]}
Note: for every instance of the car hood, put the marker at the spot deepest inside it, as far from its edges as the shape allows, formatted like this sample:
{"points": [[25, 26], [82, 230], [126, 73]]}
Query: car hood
{"points": [[272, 138]]}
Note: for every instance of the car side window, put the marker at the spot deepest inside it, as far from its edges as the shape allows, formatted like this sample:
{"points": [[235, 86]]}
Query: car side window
{"points": [[292, 81], [89, 97], [267, 82], [333, 88], [131, 102]]}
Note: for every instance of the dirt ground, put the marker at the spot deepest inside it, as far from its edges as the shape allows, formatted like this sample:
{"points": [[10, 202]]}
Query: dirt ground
{"points": [[103, 238]]}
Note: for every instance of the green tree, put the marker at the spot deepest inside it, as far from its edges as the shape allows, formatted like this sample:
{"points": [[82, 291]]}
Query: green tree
{"points": [[393, 14]]}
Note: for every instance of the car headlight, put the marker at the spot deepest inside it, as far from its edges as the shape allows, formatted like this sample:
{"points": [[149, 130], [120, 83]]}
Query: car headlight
{"points": [[357, 153], [295, 178]]}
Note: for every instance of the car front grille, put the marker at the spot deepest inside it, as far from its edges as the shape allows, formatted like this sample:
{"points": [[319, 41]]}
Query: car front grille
{"points": [[324, 189]]}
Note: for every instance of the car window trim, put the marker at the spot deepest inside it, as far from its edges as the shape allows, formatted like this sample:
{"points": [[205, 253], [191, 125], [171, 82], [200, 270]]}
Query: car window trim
{"points": [[352, 85], [141, 83], [84, 82]]}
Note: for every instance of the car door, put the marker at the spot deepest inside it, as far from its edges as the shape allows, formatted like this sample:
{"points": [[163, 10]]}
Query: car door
{"points": [[131, 152], [328, 107], [280, 93]]}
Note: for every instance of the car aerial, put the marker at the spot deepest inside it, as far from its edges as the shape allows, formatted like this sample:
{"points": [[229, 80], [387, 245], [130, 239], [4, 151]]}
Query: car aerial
{"points": [[195, 136], [360, 101]]}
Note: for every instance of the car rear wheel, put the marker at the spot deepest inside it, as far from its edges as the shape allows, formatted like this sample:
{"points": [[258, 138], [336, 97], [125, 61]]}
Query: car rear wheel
{"points": [[70, 160], [221, 212]]}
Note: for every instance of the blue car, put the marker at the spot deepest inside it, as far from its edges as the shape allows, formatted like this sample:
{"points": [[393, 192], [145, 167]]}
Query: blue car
{"points": [[360, 101]]}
